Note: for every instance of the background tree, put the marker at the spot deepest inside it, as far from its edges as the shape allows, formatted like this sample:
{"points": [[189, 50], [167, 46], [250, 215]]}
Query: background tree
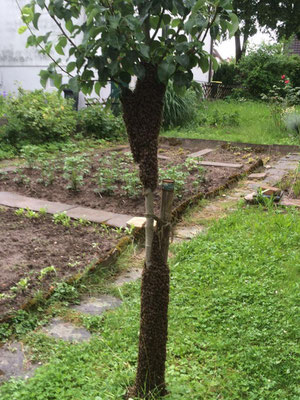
{"points": [[114, 42], [281, 17]]}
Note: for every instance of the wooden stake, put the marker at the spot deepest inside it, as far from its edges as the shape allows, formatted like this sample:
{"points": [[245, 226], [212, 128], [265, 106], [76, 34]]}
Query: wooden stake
{"points": [[149, 225], [166, 216]]}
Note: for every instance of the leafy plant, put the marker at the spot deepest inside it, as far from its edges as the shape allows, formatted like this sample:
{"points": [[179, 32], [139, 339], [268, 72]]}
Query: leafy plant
{"points": [[20, 212], [21, 286], [30, 153], [46, 271], [62, 218], [99, 122], [74, 170], [37, 117], [179, 110]]}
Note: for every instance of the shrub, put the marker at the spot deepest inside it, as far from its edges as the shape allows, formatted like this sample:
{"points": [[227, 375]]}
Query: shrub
{"points": [[179, 110], [226, 73], [261, 69], [99, 122], [292, 122], [38, 117]]}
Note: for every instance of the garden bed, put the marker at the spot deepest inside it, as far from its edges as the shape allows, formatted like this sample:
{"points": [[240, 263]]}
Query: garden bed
{"points": [[108, 179], [37, 254]]}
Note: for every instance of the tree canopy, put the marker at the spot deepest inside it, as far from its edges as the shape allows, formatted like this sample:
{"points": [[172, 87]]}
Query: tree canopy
{"points": [[111, 40]]}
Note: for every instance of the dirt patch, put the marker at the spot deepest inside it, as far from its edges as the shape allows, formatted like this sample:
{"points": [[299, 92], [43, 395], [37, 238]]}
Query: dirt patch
{"points": [[36, 254], [109, 179]]}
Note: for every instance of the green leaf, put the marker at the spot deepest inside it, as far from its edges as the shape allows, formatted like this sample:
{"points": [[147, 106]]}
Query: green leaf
{"points": [[44, 76], [57, 79], [165, 71], [97, 88], [145, 50], [36, 20], [203, 63], [233, 27], [139, 71], [22, 29], [70, 26], [73, 84], [59, 49], [125, 77], [183, 60], [71, 66]]}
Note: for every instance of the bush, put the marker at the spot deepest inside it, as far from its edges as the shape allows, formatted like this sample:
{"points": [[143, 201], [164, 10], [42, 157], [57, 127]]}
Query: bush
{"points": [[179, 110], [37, 117], [261, 69], [96, 121], [226, 73]]}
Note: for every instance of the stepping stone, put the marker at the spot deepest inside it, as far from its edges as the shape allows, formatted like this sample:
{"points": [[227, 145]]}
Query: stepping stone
{"points": [[97, 306], [129, 276], [137, 222], [161, 157], [13, 363], [201, 153], [261, 175], [118, 220], [189, 232], [8, 169], [90, 214], [220, 164], [15, 200], [60, 329], [290, 202]]}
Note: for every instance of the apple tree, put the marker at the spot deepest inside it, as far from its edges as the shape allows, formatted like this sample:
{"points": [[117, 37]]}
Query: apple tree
{"points": [[139, 46]]}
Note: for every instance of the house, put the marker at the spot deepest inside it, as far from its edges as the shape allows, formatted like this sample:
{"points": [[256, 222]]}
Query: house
{"points": [[20, 66]]}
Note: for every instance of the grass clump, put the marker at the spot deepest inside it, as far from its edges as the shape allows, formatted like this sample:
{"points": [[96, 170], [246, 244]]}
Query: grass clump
{"points": [[233, 327]]}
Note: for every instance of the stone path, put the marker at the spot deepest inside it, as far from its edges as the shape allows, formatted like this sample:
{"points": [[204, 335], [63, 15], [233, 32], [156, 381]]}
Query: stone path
{"points": [[16, 200], [12, 359]]}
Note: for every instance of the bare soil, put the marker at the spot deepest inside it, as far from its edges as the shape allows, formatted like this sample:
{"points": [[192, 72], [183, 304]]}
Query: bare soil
{"points": [[28, 180], [30, 245]]}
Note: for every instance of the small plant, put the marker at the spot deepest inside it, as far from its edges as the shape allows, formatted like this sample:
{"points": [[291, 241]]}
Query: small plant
{"points": [[131, 183], [21, 286], [46, 271], [48, 170], [62, 218], [65, 292], [30, 154], [106, 181], [31, 214], [82, 222], [20, 212], [43, 212], [74, 171], [176, 173]]}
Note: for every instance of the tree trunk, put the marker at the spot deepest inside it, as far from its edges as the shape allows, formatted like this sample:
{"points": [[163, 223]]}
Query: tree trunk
{"points": [[238, 48], [142, 111]]}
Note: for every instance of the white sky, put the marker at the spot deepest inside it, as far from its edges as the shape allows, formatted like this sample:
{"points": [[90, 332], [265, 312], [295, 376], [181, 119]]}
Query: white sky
{"points": [[227, 48]]}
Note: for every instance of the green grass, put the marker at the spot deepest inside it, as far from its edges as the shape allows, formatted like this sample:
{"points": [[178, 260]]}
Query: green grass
{"points": [[234, 323], [255, 124]]}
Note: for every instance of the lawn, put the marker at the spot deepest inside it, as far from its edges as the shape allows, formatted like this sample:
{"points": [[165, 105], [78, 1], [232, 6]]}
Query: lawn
{"points": [[237, 121], [234, 323]]}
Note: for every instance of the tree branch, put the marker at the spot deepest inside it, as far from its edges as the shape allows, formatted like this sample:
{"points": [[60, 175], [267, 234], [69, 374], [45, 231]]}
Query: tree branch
{"points": [[158, 25], [61, 29]]}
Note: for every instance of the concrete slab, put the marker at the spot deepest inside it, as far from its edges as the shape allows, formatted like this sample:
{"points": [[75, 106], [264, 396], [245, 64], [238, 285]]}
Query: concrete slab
{"points": [[90, 214], [13, 362], [220, 164], [261, 175], [161, 157], [131, 275], [201, 153], [285, 201], [97, 305], [137, 222], [189, 232], [119, 220], [10, 168], [16, 200], [66, 331]]}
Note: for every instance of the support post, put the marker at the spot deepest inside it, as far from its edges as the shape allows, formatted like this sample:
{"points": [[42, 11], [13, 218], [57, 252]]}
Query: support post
{"points": [[166, 216]]}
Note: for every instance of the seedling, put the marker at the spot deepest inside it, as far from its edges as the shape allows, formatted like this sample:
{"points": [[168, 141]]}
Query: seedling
{"points": [[20, 212], [62, 218], [46, 271], [42, 211], [31, 214], [30, 154], [21, 285], [74, 171]]}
